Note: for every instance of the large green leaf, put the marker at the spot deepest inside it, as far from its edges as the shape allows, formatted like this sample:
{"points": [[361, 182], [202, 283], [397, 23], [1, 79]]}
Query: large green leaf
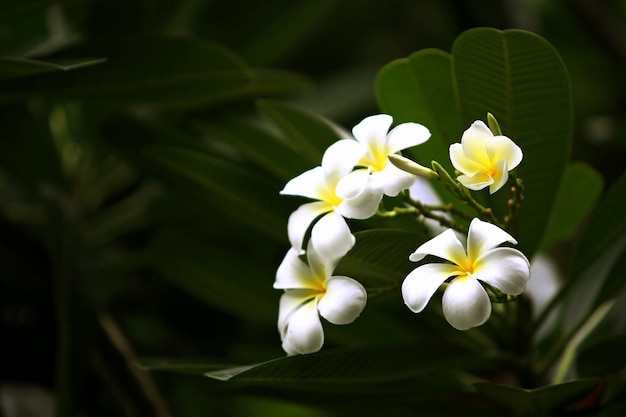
{"points": [[241, 194], [421, 89], [258, 144], [579, 191], [380, 258], [27, 150], [520, 78], [155, 70], [606, 223], [603, 357], [362, 365], [308, 133], [539, 401], [224, 277], [21, 67]]}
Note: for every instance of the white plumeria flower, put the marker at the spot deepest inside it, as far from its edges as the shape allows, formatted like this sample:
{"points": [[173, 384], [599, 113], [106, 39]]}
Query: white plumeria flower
{"points": [[377, 143], [340, 193], [484, 159], [310, 291], [465, 302]]}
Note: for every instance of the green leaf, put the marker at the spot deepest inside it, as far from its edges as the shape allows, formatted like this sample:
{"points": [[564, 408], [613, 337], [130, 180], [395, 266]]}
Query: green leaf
{"points": [[539, 401], [520, 78], [242, 194], [362, 365], [421, 89], [614, 281], [27, 149], [258, 144], [230, 280], [21, 67], [194, 366], [308, 133], [603, 357], [580, 188], [153, 70], [606, 224], [380, 258]]}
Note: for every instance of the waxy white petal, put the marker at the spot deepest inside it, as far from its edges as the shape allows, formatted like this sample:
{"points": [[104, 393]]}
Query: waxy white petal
{"points": [[352, 185], [501, 148], [293, 273], [344, 300], [311, 184], [500, 177], [321, 267], [304, 333], [483, 236], [372, 131], [461, 163], [363, 205], [392, 180], [406, 135], [289, 302], [445, 245], [506, 269], [301, 219], [340, 158], [476, 182], [474, 142], [331, 236], [420, 285], [465, 303]]}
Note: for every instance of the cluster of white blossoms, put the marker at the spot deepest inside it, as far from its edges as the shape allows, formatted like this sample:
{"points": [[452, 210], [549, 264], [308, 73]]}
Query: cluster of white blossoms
{"points": [[352, 179]]}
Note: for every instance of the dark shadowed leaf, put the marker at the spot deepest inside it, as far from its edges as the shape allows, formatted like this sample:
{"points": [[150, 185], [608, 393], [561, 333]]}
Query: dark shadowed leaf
{"points": [[241, 194], [539, 401], [606, 223], [12, 68], [154, 70], [308, 133], [578, 193]]}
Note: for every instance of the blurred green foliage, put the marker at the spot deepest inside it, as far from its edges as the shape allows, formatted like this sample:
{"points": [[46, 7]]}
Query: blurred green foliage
{"points": [[143, 146]]}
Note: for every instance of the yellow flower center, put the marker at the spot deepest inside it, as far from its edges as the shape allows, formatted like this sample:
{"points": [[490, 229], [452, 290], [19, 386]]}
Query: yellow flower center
{"points": [[376, 158], [329, 195]]}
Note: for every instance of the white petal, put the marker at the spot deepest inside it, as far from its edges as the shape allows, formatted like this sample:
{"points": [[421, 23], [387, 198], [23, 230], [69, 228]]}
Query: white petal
{"points": [[483, 236], [300, 221], [321, 267], [304, 332], [290, 301], [340, 158], [372, 131], [461, 163], [344, 300], [465, 303], [501, 176], [502, 148], [474, 141], [353, 184], [364, 204], [293, 273], [331, 236], [406, 135], [420, 285], [309, 184], [392, 180], [506, 269], [476, 182], [445, 245]]}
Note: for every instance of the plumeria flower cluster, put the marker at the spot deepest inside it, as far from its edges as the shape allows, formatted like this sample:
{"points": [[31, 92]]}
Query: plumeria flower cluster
{"points": [[352, 179]]}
